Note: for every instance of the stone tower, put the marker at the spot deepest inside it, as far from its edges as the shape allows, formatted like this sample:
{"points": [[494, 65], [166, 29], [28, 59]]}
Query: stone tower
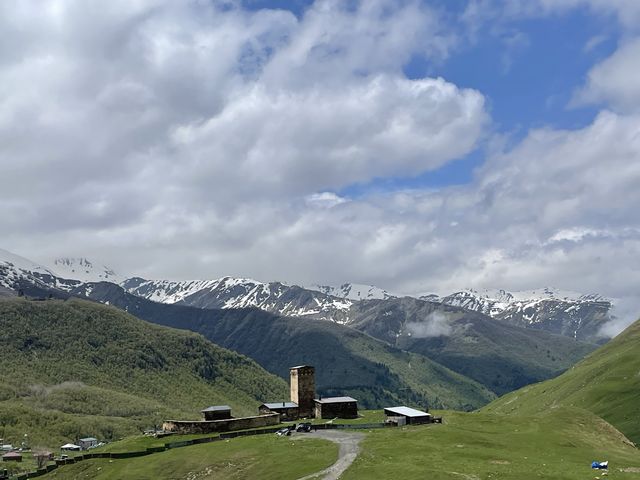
{"points": [[303, 389]]}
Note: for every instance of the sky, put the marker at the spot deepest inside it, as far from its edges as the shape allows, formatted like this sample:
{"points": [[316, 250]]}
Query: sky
{"points": [[420, 146]]}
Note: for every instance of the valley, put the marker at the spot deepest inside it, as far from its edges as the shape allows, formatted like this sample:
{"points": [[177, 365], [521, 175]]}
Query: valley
{"points": [[76, 361]]}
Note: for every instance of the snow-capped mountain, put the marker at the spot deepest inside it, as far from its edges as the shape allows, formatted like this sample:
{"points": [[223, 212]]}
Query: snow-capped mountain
{"points": [[558, 311], [18, 273], [563, 312], [353, 291], [84, 270], [229, 292]]}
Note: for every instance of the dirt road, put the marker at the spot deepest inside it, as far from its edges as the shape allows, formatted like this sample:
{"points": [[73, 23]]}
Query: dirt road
{"points": [[349, 448]]}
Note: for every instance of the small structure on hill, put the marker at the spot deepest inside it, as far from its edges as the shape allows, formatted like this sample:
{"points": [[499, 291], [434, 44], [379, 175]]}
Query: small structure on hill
{"points": [[71, 447], [287, 410], [87, 443], [340, 407], [12, 457], [217, 412], [406, 416]]}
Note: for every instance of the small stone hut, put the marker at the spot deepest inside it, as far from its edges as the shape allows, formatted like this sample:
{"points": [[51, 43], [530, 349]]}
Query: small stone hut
{"points": [[12, 457], [336, 407], [288, 410], [217, 412]]}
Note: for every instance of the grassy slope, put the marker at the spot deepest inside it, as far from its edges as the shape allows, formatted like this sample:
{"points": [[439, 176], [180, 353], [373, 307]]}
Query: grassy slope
{"points": [[75, 368], [470, 446], [265, 457], [500, 356], [476, 446], [347, 362], [606, 383]]}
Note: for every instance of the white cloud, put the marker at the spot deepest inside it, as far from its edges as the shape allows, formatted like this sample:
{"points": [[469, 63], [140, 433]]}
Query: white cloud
{"points": [[435, 324], [615, 81], [182, 140]]}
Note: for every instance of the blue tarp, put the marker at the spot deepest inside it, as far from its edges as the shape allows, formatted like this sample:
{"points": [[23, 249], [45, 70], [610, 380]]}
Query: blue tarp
{"points": [[600, 465]]}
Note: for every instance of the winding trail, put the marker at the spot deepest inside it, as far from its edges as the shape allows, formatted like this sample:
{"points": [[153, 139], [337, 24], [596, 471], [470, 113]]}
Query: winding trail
{"points": [[349, 443]]}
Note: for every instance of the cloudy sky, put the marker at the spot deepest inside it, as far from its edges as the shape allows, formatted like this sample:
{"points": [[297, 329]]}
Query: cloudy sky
{"points": [[422, 146]]}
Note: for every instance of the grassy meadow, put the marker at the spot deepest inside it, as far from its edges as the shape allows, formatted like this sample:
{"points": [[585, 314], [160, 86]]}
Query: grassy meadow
{"points": [[267, 457], [481, 446], [560, 444]]}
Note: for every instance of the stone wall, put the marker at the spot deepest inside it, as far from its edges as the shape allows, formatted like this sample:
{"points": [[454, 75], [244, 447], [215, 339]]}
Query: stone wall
{"points": [[186, 427]]}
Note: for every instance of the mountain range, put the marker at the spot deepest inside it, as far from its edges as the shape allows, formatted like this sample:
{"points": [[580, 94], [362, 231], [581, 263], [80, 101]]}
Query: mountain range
{"points": [[565, 313], [500, 356]]}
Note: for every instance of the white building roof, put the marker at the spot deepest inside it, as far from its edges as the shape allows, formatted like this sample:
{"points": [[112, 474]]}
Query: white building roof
{"points": [[335, 400], [407, 412], [280, 405], [70, 446]]}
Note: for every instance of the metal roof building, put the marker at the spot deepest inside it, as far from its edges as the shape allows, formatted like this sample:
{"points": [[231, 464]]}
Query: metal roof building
{"points": [[410, 415]]}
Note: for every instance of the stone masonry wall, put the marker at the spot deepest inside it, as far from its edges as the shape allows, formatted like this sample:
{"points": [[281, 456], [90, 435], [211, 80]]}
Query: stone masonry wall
{"points": [[203, 426]]}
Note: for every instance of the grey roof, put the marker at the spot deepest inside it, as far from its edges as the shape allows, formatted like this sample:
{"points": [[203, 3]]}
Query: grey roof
{"points": [[271, 406], [335, 400], [89, 439], [217, 408], [300, 366], [407, 412]]}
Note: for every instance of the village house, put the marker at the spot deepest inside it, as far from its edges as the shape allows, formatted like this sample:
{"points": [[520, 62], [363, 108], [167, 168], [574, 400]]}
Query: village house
{"points": [[288, 410], [87, 443], [406, 416], [217, 412], [71, 447], [12, 457], [336, 407]]}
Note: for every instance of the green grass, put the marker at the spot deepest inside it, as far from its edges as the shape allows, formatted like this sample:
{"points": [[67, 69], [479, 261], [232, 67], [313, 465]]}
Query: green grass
{"points": [[71, 369], [475, 446], [265, 457], [606, 383]]}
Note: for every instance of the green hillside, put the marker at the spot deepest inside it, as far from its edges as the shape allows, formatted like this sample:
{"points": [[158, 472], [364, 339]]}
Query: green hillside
{"points": [[75, 368], [348, 362], [482, 446], [606, 383], [559, 445]]}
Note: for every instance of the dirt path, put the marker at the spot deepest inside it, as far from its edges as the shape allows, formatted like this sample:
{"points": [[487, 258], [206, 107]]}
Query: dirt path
{"points": [[349, 448]]}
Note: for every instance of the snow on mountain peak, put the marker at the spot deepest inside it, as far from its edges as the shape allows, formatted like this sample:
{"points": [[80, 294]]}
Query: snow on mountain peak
{"points": [[84, 270], [352, 291], [16, 261]]}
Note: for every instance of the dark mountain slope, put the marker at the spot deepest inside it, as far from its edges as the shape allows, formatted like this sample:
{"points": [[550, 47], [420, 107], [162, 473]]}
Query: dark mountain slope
{"points": [[502, 357], [347, 361]]}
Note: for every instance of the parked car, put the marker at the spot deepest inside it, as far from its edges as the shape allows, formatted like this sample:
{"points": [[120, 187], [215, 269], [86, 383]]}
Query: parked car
{"points": [[284, 432], [304, 427]]}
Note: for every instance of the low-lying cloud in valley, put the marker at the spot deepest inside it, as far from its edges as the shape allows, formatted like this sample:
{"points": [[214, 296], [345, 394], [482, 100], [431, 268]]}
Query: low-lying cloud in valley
{"points": [[435, 324]]}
